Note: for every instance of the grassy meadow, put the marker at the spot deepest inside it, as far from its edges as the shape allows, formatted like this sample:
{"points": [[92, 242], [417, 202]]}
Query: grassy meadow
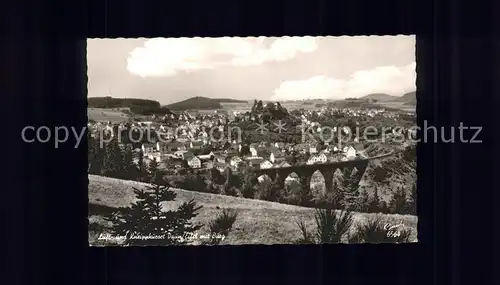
{"points": [[258, 222], [103, 115]]}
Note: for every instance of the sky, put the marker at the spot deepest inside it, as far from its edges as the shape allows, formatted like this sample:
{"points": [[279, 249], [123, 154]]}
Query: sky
{"points": [[284, 68]]}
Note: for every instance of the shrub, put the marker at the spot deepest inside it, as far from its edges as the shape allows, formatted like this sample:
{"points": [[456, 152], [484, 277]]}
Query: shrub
{"points": [[267, 191], [221, 226], [330, 224], [411, 203], [380, 174], [383, 208], [212, 187], [228, 190], [375, 231], [374, 203], [193, 183], [306, 238], [364, 205], [294, 194], [330, 200], [247, 189]]}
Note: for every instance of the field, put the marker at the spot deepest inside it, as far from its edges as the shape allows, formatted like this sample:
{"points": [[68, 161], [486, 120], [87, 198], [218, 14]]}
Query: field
{"points": [[398, 105], [114, 115], [258, 222]]}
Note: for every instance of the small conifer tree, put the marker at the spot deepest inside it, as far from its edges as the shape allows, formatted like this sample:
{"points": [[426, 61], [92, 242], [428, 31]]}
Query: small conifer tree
{"points": [[152, 168], [247, 189], [112, 166], [364, 202], [95, 155], [141, 167], [374, 203], [412, 201], [351, 196], [397, 205], [304, 196], [129, 167], [145, 222]]}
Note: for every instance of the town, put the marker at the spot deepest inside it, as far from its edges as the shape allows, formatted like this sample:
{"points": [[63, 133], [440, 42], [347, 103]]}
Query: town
{"points": [[183, 140], [202, 146], [205, 151]]}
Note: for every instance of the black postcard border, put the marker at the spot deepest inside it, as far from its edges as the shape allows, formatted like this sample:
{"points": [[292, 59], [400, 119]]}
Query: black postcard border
{"points": [[47, 214]]}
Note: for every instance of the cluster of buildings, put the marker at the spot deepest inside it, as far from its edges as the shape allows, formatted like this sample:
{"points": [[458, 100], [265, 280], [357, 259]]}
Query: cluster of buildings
{"points": [[258, 155], [353, 112], [185, 141]]}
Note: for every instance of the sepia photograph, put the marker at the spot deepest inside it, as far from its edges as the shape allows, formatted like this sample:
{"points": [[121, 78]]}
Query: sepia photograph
{"points": [[252, 140]]}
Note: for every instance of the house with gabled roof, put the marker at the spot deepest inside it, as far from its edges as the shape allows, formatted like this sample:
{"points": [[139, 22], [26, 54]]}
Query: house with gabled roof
{"points": [[253, 151], [265, 164], [312, 149], [318, 158], [350, 152], [282, 164], [235, 160], [193, 161]]}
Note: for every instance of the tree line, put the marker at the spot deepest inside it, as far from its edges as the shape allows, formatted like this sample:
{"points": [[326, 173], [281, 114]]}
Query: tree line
{"points": [[111, 160], [137, 106], [110, 102]]}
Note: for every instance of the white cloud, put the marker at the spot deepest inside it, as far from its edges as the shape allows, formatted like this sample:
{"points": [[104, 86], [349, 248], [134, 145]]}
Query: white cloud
{"points": [[385, 79], [166, 57]]}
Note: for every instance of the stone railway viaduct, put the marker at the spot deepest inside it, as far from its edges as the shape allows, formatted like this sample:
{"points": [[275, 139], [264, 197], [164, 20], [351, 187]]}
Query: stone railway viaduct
{"points": [[327, 169]]}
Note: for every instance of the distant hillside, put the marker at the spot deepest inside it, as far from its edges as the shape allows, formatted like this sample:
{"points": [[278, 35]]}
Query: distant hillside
{"points": [[136, 106], [110, 102], [379, 97], [225, 100], [361, 104], [407, 97], [410, 103], [196, 103]]}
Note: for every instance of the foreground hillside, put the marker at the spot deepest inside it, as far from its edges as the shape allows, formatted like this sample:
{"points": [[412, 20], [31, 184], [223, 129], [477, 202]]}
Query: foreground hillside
{"points": [[258, 222]]}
